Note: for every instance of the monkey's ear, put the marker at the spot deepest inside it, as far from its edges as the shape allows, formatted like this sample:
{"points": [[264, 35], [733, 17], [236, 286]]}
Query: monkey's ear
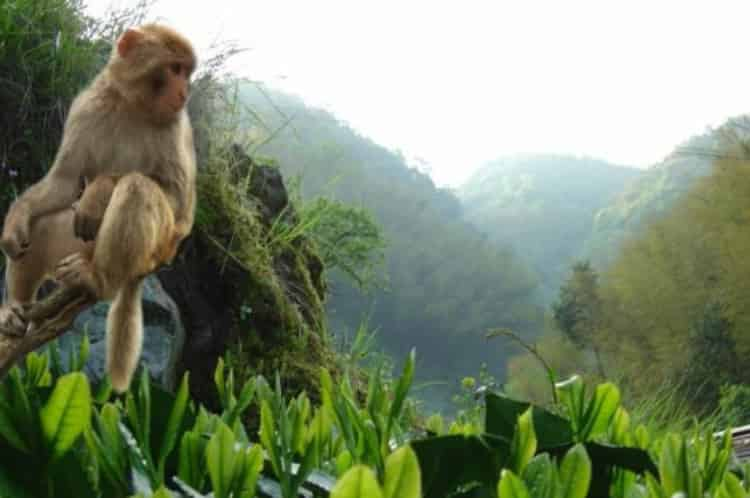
{"points": [[128, 41]]}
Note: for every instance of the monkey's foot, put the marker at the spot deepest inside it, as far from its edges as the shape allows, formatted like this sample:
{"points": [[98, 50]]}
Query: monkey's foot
{"points": [[76, 271], [13, 320]]}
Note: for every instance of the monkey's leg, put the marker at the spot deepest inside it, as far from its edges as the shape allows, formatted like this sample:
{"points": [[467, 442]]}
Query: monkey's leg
{"points": [[133, 240], [51, 239], [90, 208]]}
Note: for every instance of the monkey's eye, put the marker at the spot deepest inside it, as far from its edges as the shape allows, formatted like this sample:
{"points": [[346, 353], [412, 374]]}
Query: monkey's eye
{"points": [[176, 68]]}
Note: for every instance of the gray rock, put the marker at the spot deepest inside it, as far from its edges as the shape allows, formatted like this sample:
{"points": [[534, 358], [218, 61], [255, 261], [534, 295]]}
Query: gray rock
{"points": [[163, 336]]}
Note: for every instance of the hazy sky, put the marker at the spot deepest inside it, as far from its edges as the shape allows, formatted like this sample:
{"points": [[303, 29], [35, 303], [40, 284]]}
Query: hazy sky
{"points": [[460, 83]]}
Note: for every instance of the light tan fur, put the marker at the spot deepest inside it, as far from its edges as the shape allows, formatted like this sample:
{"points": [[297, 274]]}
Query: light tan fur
{"points": [[128, 135]]}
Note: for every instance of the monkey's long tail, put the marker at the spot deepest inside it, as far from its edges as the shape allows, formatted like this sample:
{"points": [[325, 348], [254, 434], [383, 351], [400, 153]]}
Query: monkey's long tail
{"points": [[124, 335]]}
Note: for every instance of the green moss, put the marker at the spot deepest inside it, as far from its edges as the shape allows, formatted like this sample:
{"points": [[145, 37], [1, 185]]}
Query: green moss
{"points": [[280, 289]]}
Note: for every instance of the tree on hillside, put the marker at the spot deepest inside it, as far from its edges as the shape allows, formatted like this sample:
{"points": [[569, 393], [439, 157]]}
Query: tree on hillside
{"points": [[578, 309]]}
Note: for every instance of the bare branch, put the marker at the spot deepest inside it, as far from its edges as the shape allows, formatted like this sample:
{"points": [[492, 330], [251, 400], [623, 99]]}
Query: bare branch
{"points": [[48, 319]]}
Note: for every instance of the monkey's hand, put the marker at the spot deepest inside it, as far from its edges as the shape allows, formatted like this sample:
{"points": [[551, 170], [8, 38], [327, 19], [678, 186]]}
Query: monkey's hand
{"points": [[76, 271], [89, 210], [85, 224], [15, 239], [13, 320]]}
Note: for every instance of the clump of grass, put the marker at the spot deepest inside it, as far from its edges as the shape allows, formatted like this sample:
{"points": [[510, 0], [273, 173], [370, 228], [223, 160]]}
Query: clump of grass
{"points": [[668, 410], [46, 56], [266, 254]]}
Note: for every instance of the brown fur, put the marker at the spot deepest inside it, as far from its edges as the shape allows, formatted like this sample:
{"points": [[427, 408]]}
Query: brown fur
{"points": [[129, 136]]}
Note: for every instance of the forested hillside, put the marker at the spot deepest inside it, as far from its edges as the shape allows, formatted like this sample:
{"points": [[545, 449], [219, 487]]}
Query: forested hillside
{"points": [[667, 303], [446, 282], [652, 194], [542, 207], [675, 299]]}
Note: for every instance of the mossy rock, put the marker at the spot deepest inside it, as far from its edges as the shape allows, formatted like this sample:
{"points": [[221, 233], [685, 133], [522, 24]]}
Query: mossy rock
{"points": [[243, 286]]}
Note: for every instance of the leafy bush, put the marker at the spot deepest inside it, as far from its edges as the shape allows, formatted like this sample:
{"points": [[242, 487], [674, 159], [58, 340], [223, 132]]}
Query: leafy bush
{"points": [[46, 56], [60, 438]]}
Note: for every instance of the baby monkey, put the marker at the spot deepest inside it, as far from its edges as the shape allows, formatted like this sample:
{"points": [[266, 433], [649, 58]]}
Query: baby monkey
{"points": [[129, 137]]}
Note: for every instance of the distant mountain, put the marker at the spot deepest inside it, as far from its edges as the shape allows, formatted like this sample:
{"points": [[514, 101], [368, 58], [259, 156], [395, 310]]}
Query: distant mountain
{"points": [[543, 207], [447, 284]]}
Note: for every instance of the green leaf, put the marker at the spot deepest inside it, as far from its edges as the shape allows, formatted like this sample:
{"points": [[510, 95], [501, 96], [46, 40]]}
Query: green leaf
{"points": [[141, 474], [220, 460], [9, 488], [642, 437], [448, 463], [673, 467], [633, 459], [510, 486], [162, 492], [523, 447], [601, 409], [37, 371], [402, 476], [17, 407], [174, 423], [540, 476], [654, 488], [83, 354], [619, 430], [344, 462], [358, 482], [192, 464], [731, 487], [307, 464], [105, 443], [575, 473], [246, 397], [250, 471], [502, 415], [104, 391], [402, 389], [267, 435], [67, 413], [219, 381], [8, 429], [572, 393]]}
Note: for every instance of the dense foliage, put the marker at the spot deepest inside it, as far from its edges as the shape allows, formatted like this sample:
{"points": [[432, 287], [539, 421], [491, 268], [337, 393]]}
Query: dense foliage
{"points": [[650, 196], [676, 297], [670, 310], [59, 438]]}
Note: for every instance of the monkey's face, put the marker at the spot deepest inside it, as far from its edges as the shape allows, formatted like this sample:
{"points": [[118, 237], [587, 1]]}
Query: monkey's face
{"points": [[153, 64], [170, 85]]}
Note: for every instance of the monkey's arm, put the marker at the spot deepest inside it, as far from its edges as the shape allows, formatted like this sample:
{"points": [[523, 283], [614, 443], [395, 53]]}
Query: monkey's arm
{"points": [[58, 190], [55, 192]]}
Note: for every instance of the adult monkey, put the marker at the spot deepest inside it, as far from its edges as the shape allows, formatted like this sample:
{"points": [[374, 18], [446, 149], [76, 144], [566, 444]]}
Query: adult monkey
{"points": [[129, 137]]}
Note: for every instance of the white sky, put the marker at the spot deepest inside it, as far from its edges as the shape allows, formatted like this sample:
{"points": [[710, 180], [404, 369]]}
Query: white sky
{"points": [[460, 83]]}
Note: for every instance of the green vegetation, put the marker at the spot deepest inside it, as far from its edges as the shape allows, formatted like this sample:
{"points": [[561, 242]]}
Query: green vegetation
{"points": [[649, 196], [675, 298], [669, 313], [61, 438]]}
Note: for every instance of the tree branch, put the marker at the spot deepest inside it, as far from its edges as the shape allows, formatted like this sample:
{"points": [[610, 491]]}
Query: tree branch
{"points": [[48, 319]]}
